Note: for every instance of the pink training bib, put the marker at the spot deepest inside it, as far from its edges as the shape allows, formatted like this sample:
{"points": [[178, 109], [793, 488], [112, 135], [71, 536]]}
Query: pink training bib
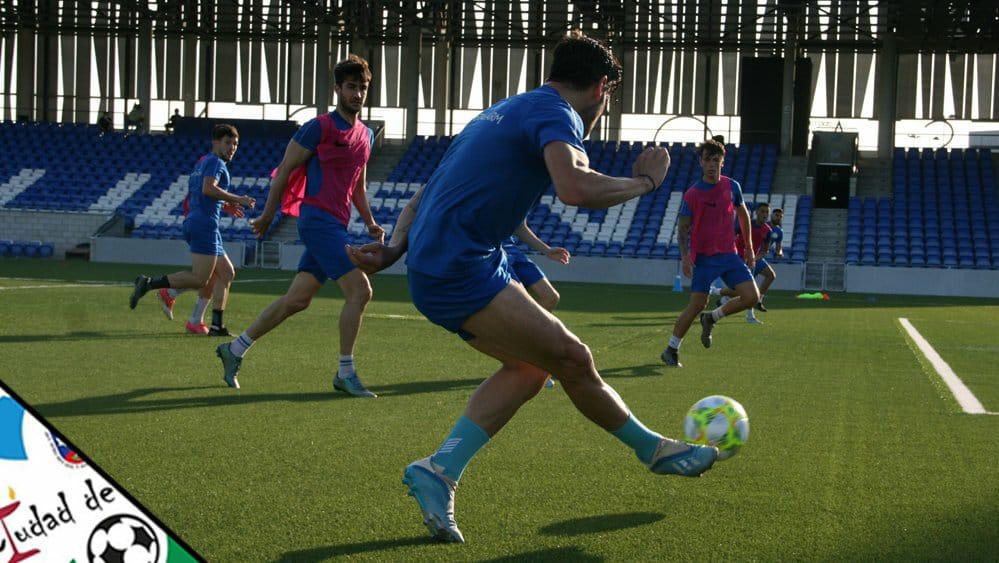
{"points": [[712, 219]]}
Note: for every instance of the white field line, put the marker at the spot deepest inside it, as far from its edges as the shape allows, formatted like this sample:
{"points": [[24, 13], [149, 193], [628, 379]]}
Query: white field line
{"points": [[969, 403]]}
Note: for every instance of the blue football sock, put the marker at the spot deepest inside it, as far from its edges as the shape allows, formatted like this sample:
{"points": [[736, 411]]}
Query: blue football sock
{"points": [[638, 438], [465, 439]]}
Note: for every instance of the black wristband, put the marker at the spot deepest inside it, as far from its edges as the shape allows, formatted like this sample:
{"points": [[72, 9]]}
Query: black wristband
{"points": [[654, 186]]}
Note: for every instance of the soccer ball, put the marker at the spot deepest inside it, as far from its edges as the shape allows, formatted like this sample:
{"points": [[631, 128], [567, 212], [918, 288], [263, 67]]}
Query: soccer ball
{"points": [[717, 421], [123, 539]]}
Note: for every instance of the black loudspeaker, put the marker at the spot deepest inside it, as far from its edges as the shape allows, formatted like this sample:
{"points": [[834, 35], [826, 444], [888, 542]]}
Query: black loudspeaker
{"points": [[802, 106], [760, 99], [832, 186]]}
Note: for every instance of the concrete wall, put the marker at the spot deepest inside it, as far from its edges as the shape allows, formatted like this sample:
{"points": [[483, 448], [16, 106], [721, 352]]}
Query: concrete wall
{"points": [[64, 229], [922, 281], [594, 270], [149, 251]]}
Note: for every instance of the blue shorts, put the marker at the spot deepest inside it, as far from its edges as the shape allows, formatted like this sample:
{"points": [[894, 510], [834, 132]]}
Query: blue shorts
{"points": [[325, 256], [729, 267], [522, 268], [203, 236], [761, 265], [449, 302]]}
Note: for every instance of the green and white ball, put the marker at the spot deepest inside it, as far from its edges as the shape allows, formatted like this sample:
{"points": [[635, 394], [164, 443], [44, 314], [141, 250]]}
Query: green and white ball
{"points": [[718, 421]]}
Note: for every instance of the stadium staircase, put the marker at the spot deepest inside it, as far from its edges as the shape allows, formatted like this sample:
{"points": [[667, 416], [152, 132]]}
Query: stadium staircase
{"points": [[790, 176]]}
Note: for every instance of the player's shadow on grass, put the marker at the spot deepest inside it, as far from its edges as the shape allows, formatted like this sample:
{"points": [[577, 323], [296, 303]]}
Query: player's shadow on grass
{"points": [[600, 524], [85, 335], [574, 554], [128, 402], [331, 551], [645, 370], [659, 321]]}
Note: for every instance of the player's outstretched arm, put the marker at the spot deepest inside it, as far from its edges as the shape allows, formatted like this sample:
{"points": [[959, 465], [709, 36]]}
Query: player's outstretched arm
{"points": [[525, 234], [295, 155], [210, 187], [683, 239], [577, 184], [360, 200], [376, 256], [745, 223]]}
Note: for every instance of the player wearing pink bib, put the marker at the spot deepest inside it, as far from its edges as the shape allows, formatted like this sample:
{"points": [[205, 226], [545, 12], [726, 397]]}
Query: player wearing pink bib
{"points": [[708, 248], [323, 173]]}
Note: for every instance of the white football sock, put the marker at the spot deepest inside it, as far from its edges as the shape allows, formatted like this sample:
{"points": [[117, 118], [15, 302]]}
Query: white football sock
{"points": [[675, 342], [346, 366], [717, 314], [239, 346], [198, 314]]}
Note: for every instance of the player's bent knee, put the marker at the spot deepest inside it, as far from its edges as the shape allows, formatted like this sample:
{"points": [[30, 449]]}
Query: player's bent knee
{"points": [[550, 301], [576, 362]]}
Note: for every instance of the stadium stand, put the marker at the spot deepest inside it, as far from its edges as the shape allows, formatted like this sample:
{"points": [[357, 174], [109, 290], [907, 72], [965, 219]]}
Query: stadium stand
{"points": [[144, 178], [943, 213]]}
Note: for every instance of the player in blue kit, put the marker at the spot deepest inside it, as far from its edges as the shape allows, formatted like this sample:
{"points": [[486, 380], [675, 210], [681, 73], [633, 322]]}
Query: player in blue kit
{"points": [[459, 277], [208, 185]]}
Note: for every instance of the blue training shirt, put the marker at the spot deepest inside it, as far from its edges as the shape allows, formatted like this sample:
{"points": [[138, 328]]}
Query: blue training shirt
{"points": [[702, 185], [776, 236], [201, 205], [490, 177], [311, 133]]}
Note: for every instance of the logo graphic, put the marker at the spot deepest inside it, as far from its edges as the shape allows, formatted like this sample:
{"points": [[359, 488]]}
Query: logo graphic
{"points": [[122, 538], [6, 511], [11, 438], [68, 457]]}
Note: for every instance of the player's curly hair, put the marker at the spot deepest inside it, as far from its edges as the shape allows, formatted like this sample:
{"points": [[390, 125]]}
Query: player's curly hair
{"points": [[352, 67], [582, 61], [223, 130], [709, 148]]}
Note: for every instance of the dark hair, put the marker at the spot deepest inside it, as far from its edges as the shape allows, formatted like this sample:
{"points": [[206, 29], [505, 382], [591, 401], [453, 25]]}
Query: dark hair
{"points": [[763, 204], [223, 130], [719, 138], [709, 148], [778, 210], [582, 61], [353, 67]]}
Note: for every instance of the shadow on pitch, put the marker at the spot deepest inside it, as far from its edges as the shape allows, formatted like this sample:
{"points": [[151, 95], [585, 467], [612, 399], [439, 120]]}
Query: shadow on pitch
{"points": [[82, 335], [552, 554], [658, 321], [601, 524], [133, 401], [331, 551], [645, 370]]}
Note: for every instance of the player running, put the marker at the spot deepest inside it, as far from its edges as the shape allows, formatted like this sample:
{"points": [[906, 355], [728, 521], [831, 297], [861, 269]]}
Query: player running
{"points": [[491, 175], [708, 249], [334, 148], [762, 238], [209, 195]]}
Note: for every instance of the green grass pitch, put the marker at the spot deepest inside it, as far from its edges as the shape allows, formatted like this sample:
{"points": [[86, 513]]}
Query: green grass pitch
{"points": [[857, 450]]}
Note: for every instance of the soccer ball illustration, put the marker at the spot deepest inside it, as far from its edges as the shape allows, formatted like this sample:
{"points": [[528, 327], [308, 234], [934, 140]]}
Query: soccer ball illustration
{"points": [[123, 538]]}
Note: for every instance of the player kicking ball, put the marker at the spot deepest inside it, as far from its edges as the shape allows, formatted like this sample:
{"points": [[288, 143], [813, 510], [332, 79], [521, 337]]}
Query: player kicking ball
{"points": [[210, 267], [492, 174], [708, 249]]}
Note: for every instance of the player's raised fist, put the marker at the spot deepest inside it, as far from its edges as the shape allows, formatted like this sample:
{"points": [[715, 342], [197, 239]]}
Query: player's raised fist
{"points": [[653, 162]]}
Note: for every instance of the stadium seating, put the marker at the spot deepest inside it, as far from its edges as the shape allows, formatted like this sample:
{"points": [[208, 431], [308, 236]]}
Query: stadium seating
{"points": [[70, 167], [643, 228], [943, 213], [144, 178], [25, 249]]}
